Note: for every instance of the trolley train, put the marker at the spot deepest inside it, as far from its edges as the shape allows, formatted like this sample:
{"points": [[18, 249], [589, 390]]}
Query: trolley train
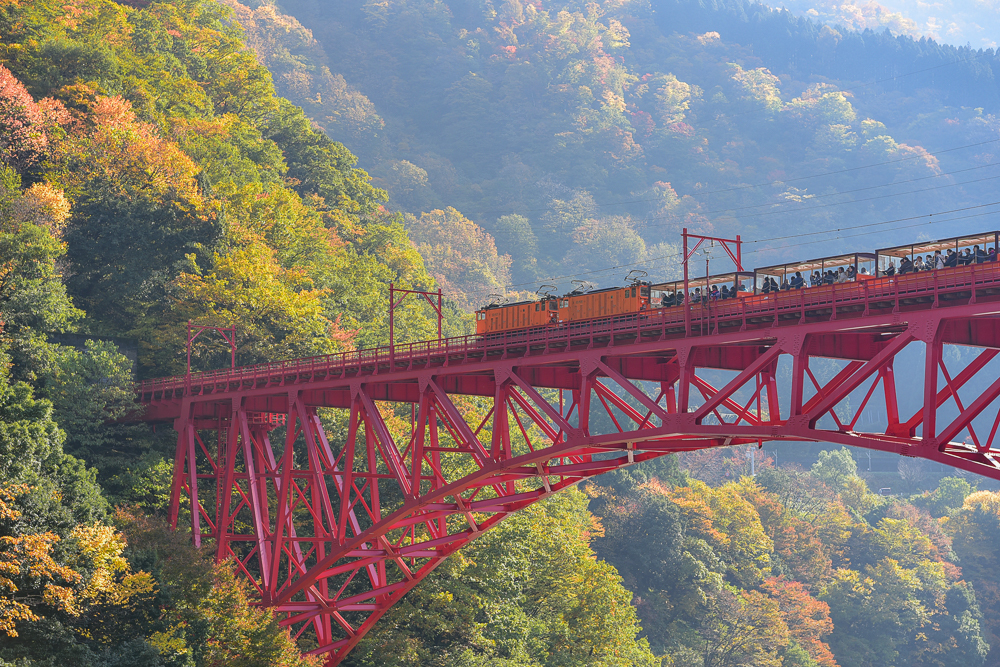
{"points": [[640, 296]]}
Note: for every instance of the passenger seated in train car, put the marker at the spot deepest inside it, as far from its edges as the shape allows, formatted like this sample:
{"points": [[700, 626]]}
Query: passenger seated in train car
{"points": [[979, 254], [766, 287], [784, 285], [891, 269], [992, 255], [815, 280], [715, 292], [852, 273], [966, 258], [918, 264], [938, 260], [952, 259], [928, 263], [724, 294], [798, 282], [840, 276], [905, 266]]}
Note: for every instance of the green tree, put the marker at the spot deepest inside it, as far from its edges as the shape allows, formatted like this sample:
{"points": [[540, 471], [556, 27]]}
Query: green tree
{"points": [[835, 467]]}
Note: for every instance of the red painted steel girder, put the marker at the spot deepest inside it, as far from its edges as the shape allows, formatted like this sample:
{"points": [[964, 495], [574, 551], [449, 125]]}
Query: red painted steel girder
{"points": [[391, 460]]}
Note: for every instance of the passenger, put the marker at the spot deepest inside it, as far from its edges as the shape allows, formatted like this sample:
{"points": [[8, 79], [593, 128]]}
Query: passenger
{"points": [[828, 278], [715, 292], [784, 285], [774, 285], [928, 263], [938, 260], [852, 272], [979, 254], [815, 280], [952, 259], [891, 269], [725, 292], [905, 266], [841, 275], [967, 258], [864, 270], [992, 255], [918, 264]]}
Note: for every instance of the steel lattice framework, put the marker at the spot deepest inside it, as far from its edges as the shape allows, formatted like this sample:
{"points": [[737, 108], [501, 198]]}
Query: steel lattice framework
{"points": [[387, 461]]}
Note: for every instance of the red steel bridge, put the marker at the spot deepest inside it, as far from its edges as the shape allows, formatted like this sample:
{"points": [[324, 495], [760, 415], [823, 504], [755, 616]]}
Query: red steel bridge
{"points": [[386, 461]]}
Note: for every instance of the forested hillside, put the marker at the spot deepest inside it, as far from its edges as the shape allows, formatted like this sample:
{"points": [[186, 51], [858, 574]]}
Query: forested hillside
{"points": [[151, 177], [584, 136]]}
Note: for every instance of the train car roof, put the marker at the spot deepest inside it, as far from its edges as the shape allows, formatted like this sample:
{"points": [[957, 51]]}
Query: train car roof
{"points": [[594, 291], [719, 279], [818, 264], [507, 305], [928, 247]]}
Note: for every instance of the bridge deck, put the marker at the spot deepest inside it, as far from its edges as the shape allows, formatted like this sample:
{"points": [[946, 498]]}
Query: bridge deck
{"points": [[944, 289]]}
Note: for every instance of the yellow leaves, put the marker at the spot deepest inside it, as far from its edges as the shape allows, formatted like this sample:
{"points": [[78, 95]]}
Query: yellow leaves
{"points": [[758, 85], [60, 597], [985, 501], [278, 314], [43, 205], [11, 612], [7, 495], [168, 643], [29, 558], [112, 582], [460, 255], [616, 36], [31, 575], [102, 546], [119, 149]]}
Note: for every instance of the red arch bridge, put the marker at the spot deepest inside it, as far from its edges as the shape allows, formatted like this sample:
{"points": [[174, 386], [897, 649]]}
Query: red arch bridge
{"points": [[386, 461]]}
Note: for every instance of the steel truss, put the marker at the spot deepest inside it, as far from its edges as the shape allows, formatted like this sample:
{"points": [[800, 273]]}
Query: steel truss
{"points": [[335, 492]]}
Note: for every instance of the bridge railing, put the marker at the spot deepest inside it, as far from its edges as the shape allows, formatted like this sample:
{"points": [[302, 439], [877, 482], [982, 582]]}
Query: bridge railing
{"points": [[860, 292]]}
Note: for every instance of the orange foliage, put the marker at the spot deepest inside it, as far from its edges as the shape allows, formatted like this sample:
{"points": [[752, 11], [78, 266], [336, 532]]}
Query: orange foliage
{"points": [[29, 557], [807, 618], [120, 150]]}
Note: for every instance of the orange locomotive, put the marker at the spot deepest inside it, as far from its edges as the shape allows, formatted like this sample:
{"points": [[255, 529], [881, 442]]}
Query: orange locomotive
{"points": [[572, 307]]}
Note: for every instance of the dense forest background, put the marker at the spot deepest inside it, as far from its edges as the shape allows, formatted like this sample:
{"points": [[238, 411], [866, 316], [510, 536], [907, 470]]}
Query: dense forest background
{"points": [[585, 136], [274, 167]]}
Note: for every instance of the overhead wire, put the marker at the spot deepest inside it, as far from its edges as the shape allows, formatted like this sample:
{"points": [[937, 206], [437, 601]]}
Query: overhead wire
{"points": [[649, 260]]}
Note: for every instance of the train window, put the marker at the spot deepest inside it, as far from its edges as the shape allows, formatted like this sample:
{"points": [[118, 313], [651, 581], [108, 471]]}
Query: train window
{"points": [[553, 305], [633, 292], [565, 303], [644, 290]]}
